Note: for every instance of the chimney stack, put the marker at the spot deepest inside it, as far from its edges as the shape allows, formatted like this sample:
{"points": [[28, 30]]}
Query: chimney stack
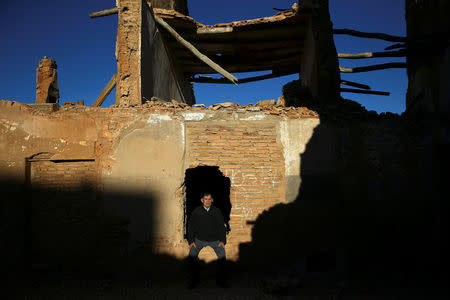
{"points": [[47, 90]]}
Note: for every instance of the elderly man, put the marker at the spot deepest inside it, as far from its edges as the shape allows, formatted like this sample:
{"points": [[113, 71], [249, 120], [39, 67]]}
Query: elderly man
{"points": [[206, 227]]}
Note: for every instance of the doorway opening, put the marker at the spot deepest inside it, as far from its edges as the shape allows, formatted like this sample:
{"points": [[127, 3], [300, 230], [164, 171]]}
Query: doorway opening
{"points": [[209, 179]]}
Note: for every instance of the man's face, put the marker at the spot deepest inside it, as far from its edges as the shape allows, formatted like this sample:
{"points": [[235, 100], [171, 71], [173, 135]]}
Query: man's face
{"points": [[207, 200]]}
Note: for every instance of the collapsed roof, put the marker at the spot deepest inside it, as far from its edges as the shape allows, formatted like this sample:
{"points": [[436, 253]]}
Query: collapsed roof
{"points": [[270, 43]]}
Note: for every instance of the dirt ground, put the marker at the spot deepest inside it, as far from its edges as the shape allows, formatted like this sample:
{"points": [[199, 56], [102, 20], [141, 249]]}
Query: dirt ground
{"points": [[243, 286]]}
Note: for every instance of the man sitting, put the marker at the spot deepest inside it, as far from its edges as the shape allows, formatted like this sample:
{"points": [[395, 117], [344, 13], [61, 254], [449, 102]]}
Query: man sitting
{"points": [[206, 227]]}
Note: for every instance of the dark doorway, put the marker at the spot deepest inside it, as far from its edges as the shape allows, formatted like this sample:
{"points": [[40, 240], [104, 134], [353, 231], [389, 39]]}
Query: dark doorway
{"points": [[207, 179]]}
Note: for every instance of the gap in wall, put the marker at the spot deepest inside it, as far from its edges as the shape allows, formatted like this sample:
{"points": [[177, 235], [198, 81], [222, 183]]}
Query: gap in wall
{"points": [[210, 179]]}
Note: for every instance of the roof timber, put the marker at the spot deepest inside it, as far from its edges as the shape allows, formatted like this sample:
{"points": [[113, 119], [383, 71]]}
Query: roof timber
{"points": [[278, 33], [255, 46], [272, 43], [192, 67], [198, 69], [257, 54], [247, 60]]}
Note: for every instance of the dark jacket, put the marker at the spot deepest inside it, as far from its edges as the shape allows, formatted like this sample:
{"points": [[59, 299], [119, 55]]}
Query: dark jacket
{"points": [[206, 225]]}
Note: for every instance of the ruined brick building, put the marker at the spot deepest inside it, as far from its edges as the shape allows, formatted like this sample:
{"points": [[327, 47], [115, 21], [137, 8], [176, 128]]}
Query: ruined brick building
{"points": [[105, 185]]}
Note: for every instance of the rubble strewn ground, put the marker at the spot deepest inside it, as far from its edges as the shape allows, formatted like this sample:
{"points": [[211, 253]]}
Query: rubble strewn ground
{"points": [[270, 107]]}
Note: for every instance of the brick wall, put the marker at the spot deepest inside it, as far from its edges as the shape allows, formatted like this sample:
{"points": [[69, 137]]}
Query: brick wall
{"points": [[64, 175], [63, 211], [250, 154]]}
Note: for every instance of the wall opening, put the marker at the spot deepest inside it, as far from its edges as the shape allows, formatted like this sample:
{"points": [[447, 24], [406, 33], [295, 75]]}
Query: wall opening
{"points": [[207, 179], [61, 211]]}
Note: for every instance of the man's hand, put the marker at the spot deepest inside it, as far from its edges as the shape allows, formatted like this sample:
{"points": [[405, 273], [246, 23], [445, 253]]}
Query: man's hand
{"points": [[192, 245], [221, 244]]}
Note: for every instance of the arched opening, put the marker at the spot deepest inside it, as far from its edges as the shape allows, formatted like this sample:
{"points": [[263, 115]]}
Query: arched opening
{"points": [[207, 179]]}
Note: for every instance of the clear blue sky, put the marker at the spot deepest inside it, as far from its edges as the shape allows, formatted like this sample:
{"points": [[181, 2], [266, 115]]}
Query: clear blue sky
{"points": [[84, 48]]}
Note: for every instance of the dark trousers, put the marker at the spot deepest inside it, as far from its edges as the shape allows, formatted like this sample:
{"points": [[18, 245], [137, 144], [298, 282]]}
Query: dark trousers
{"points": [[194, 264], [199, 245]]}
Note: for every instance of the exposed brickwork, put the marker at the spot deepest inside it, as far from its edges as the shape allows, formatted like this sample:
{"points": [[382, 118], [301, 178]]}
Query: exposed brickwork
{"points": [[250, 155], [64, 212], [62, 175], [128, 46]]}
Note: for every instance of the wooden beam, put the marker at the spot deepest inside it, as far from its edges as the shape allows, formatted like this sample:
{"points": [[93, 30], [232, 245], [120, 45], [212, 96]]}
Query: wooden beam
{"points": [[364, 92], [355, 84], [400, 53], [373, 67], [106, 12], [370, 35], [227, 47], [396, 46], [194, 51], [246, 59], [204, 79], [268, 34], [247, 55], [108, 88], [280, 9], [209, 30], [242, 66], [197, 69]]}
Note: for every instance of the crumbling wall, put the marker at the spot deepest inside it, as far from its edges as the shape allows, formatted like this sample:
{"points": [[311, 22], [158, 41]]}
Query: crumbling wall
{"points": [[319, 68], [144, 66], [128, 53], [353, 181], [250, 154], [47, 90], [161, 77], [177, 5], [140, 156], [428, 58]]}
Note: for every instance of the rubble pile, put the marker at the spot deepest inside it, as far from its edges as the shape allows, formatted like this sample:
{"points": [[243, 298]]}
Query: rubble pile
{"points": [[297, 95], [270, 107], [301, 107]]}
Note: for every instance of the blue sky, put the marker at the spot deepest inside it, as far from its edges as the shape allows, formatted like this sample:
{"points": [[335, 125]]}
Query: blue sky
{"points": [[84, 48]]}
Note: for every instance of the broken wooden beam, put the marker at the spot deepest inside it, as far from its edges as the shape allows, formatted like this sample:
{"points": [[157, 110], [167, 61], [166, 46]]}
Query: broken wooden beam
{"points": [[108, 88], [204, 79], [280, 9], [373, 67], [200, 69], [103, 13], [364, 92], [231, 48], [396, 46], [270, 34], [208, 30], [182, 54], [194, 51], [370, 35], [355, 84], [399, 53]]}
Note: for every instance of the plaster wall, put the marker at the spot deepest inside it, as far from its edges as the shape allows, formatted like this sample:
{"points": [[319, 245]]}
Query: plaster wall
{"points": [[295, 135], [145, 152]]}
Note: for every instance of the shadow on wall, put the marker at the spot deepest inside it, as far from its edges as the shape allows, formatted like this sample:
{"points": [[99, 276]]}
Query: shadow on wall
{"points": [[370, 207], [80, 231]]}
